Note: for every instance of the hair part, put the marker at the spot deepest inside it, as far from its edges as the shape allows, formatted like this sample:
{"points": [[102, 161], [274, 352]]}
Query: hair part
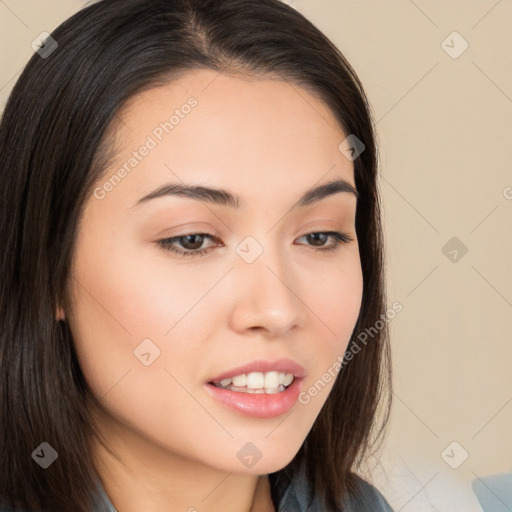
{"points": [[55, 143]]}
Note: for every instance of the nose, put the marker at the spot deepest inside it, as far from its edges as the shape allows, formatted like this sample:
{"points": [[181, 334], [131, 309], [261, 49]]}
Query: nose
{"points": [[266, 296]]}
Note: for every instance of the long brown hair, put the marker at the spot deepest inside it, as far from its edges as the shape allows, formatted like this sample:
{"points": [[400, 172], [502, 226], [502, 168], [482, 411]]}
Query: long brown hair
{"points": [[53, 136]]}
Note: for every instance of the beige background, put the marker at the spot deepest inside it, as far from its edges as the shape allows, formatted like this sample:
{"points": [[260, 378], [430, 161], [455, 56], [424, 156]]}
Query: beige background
{"points": [[445, 128]]}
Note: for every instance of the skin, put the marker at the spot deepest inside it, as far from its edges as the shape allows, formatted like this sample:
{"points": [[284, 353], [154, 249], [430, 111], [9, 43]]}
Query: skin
{"points": [[268, 142]]}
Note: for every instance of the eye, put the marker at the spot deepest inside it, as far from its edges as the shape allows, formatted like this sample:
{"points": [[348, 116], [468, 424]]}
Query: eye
{"points": [[318, 239], [191, 243]]}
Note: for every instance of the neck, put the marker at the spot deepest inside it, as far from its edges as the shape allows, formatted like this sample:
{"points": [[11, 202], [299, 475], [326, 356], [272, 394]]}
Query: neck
{"points": [[142, 476]]}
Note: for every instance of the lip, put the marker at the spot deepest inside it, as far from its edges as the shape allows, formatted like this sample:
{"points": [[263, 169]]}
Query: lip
{"points": [[283, 365], [258, 405]]}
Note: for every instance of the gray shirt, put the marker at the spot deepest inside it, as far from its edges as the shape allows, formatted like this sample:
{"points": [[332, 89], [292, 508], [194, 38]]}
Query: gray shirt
{"points": [[295, 496]]}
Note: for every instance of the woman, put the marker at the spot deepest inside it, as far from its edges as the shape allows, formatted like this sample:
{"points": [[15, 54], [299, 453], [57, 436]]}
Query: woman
{"points": [[193, 252]]}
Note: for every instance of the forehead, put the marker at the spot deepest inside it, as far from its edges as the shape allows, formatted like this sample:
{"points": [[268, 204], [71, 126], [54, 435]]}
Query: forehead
{"points": [[237, 132]]}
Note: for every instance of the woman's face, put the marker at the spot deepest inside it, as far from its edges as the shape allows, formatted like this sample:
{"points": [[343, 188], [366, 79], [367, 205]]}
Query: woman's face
{"points": [[153, 328]]}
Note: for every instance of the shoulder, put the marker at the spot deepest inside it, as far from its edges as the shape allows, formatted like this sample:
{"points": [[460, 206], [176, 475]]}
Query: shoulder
{"points": [[297, 495], [366, 497]]}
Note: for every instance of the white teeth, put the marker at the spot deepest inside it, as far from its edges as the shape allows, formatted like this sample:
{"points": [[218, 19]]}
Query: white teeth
{"points": [[240, 380], [255, 380], [288, 379], [258, 382], [271, 380], [268, 391]]}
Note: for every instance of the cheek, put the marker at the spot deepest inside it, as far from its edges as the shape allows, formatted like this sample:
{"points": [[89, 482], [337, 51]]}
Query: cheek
{"points": [[335, 304], [132, 290], [137, 294], [127, 301], [333, 292]]}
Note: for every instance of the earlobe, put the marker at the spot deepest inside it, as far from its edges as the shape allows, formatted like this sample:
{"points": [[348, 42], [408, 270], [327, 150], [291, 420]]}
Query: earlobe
{"points": [[60, 316]]}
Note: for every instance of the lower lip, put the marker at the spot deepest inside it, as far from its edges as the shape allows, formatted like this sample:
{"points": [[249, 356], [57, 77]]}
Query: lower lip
{"points": [[258, 405]]}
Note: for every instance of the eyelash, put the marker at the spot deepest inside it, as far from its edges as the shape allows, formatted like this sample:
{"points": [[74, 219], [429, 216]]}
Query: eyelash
{"points": [[168, 243]]}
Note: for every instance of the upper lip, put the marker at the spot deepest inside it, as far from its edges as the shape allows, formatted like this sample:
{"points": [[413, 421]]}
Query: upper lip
{"points": [[261, 365]]}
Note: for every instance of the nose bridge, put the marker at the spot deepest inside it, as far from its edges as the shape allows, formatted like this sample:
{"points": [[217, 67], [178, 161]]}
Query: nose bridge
{"points": [[265, 293]]}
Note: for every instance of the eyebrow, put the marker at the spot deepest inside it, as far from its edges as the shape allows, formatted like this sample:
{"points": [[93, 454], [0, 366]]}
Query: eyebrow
{"points": [[225, 198]]}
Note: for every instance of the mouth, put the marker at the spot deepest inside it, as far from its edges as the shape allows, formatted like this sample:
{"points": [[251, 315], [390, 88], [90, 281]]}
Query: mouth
{"points": [[261, 376], [262, 389], [259, 403]]}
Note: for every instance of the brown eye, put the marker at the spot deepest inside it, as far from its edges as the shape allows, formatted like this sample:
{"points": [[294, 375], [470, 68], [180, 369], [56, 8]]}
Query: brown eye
{"points": [[319, 238], [190, 244]]}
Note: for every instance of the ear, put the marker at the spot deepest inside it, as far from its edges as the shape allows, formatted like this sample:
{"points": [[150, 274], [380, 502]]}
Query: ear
{"points": [[60, 314]]}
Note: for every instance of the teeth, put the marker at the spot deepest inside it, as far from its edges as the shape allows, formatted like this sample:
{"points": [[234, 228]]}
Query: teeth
{"points": [[288, 379], [271, 380], [268, 391], [240, 380], [258, 382], [273, 391], [255, 380]]}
